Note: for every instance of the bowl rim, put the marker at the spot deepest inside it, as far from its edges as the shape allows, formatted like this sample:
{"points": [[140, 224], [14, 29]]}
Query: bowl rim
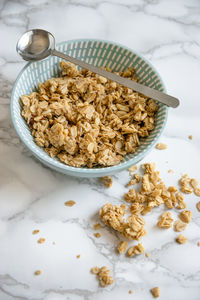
{"points": [[74, 170]]}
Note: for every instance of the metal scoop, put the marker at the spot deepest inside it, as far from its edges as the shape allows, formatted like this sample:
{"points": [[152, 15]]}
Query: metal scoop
{"points": [[37, 44]]}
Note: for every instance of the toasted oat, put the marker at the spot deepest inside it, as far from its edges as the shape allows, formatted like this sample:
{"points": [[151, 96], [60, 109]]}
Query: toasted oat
{"points": [[179, 226], [70, 203], [190, 137], [146, 210], [136, 179], [78, 256], [165, 220], [86, 120], [147, 254], [103, 275], [97, 226], [95, 270], [161, 146], [135, 250], [197, 192], [170, 171], [130, 291], [97, 235], [122, 247], [36, 231], [186, 216], [132, 169], [155, 292], [198, 206], [41, 240], [194, 183], [184, 183], [107, 181], [181, 239], [38, 272]]}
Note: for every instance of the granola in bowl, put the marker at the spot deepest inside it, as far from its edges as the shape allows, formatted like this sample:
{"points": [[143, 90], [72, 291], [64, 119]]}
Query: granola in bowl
{"points": [[84, 119]]}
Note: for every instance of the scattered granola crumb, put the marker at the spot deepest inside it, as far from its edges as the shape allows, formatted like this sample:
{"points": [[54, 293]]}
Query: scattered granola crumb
{"points": [[135, 250], [78, 256], [184, 183], [190, 137], [103, 275], [95, 270], [170, 171], [185, 216], [97, 226], [107, 181], [165, 220], [132, 169], [147, 254], [198, 206], [155, 292], [181, 239], [97, 235], [161, 146], [41, 240], [70, 203], [122, 247], [38, 272], [179, 226], [198, 244], [35, 231], [130, 291]]}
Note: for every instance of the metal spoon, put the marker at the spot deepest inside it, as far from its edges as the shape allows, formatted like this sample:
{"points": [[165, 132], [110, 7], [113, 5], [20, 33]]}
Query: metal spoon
{"points": [[37, 44]]}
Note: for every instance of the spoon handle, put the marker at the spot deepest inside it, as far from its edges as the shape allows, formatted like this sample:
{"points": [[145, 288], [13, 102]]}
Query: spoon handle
{"points": [[145, 90]]}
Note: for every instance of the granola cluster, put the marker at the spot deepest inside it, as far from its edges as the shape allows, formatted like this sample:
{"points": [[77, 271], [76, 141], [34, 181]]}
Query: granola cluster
{"points": [[103, 275], [113, 216], [86, 120]]}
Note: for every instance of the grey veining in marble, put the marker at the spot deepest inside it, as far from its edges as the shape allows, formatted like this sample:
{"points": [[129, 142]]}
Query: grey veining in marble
{"points": [[32, 196]]}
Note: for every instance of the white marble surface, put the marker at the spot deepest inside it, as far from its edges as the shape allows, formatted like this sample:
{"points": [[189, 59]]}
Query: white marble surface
{"points": [[32, 196]]}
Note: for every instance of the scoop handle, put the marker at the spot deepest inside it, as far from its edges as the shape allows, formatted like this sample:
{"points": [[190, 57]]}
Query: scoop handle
{"points": [[138, 87]]}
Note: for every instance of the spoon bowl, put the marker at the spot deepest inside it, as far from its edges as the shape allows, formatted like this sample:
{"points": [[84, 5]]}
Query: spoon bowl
{"points": [[35, 44]]}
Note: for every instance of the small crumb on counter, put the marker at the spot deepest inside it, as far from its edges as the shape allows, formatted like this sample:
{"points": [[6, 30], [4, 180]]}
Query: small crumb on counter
{"points": [[38, 272], [107, 181], [97, 226], [155, 292], [181, 239], [190, 137], [70, 203], [78, 256], [53, 243], [130, 291], [36, 231], [161, 146], [170, 171], [41, 240], [147, 254], [97, 235], [122, 247]]}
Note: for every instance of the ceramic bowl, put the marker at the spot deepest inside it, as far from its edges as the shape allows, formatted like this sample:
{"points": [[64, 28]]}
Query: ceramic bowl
{"points": [[99, 53]]}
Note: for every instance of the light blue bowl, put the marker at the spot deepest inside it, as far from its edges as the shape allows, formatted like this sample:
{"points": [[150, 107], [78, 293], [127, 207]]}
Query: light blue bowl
{"points": [[99, 53]]}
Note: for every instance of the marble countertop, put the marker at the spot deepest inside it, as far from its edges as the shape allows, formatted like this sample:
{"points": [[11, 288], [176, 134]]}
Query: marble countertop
{"points": [[32, 196]]}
